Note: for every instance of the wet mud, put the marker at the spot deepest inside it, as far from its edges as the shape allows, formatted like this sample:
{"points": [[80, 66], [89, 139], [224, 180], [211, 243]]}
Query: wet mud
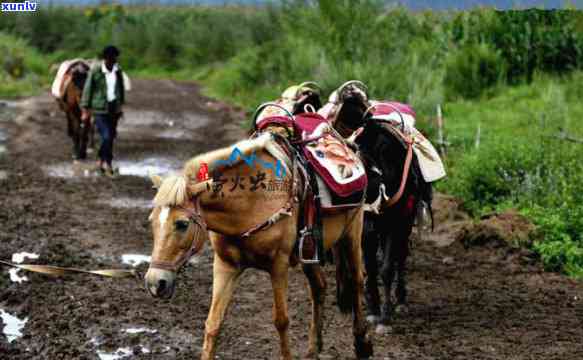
{"points": [[478, 302]]}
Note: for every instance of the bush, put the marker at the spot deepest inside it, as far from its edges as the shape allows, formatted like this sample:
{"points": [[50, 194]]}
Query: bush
{"points": [[528, 40], [471, 70], [22, 70]]}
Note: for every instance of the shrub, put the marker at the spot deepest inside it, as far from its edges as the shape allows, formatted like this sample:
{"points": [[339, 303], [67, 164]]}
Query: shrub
{"points": [[22, 69], [471, 70]]}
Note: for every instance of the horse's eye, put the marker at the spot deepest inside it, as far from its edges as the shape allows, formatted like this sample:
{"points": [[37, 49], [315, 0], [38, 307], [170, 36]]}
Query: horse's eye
{"points": [[181, 225]]}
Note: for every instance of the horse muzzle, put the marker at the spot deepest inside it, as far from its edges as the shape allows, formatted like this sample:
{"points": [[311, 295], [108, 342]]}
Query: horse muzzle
{"points": [[160, 283]]}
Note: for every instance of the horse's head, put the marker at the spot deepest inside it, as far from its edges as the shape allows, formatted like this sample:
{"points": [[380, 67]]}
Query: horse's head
{"points": [[305, 97], [351, 101], [178, 229]]}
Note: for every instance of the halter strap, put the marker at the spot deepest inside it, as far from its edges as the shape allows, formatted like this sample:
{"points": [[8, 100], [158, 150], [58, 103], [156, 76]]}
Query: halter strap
{"points": [[195, 215]]}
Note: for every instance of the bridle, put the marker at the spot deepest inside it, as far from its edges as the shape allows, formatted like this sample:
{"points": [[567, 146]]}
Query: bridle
{"points": [[195, 217]]}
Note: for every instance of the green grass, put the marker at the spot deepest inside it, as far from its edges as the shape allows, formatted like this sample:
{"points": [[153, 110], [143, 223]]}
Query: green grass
{"points": [[521, 164], [23, 70]]}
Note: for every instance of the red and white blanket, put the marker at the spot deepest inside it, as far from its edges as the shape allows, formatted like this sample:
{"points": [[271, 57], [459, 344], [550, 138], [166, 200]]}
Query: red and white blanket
{"points": [[337, 165]]}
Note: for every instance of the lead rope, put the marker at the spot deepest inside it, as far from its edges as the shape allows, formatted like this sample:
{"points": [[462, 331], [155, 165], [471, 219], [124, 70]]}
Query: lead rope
{"points": [[61, 271]]}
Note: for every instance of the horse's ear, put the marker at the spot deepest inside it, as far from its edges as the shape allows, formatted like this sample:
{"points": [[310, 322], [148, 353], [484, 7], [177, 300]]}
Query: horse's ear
{"points": [[156, 180]]}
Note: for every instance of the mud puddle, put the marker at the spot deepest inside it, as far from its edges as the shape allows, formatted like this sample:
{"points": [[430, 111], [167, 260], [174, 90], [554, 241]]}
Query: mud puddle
{"points": [[140, 330], [12, 325], [15, 276], [71, 170], [125, 351], [122, 353], [128, 203], [148, 166], [140, 168], [19, 258], [137, 119], [135, 259]]}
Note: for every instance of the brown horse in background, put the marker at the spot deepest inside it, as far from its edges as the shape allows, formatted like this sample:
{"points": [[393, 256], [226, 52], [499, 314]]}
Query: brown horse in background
{"points": [[81, 132], [252, 229]]}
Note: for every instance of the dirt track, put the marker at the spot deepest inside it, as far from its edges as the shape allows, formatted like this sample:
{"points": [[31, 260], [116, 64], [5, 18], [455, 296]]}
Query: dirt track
{"points": [[479, 303]]}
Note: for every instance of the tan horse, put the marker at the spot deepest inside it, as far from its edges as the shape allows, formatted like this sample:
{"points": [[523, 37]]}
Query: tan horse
{"points": [[242, 238]]}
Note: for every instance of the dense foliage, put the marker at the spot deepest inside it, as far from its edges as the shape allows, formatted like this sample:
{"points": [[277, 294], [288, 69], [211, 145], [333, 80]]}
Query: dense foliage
{"points": [[22, 69], [515, 75]]}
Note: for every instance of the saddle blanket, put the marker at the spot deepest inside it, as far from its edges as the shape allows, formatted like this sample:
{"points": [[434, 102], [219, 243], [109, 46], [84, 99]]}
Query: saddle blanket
{"points": [[394, 114], [63, 77], [337, 165]]}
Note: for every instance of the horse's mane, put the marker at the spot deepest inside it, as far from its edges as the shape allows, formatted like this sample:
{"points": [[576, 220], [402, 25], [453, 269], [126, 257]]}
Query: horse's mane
{"points": [[173, 189]]}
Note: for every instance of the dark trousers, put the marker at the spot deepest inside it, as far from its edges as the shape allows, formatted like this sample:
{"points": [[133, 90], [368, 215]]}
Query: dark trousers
{"points": [[106, 125]]}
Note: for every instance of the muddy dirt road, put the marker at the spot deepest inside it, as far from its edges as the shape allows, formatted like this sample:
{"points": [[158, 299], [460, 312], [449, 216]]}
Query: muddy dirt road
{"points": [[487, 302]]}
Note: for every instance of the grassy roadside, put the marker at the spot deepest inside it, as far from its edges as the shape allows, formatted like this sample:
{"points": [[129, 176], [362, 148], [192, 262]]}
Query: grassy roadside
{"points": [[23, 70], [524, 161]]}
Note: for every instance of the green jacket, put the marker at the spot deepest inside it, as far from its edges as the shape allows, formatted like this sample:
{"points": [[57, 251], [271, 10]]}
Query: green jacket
{"points": [[95, 91]]}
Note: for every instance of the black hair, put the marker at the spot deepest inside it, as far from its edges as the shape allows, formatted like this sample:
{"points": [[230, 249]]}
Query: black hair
{"points": [[110, 50]]}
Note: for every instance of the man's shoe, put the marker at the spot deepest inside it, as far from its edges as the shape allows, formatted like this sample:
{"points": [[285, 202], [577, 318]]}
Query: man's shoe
{"points": [[109, 173]]}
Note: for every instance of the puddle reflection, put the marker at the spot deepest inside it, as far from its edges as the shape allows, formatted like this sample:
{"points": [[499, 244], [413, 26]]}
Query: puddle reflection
{"points": [[12, 325]]}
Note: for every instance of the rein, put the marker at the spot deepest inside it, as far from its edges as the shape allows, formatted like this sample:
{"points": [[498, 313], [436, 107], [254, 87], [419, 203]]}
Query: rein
{"points": [[285, 210]]}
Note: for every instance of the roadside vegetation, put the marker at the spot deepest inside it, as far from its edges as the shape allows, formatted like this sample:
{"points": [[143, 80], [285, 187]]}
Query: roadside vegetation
{"points": [[23, 70], [515, 78]]}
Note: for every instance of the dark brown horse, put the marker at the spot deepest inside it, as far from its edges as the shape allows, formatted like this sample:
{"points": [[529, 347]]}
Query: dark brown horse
{"points": [[81, 132], [398, 189]]}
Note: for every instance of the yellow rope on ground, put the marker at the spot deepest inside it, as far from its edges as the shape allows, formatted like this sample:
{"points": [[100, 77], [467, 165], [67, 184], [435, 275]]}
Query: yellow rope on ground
{"points": [[61, 271]]}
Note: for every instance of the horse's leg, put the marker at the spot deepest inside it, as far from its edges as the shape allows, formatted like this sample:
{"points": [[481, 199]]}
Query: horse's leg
{"points": [[362, 343], [402, 252], [224, 282], [370, 244], [75, 133], [70, 130], [279, 282], [387, 274], [317, 282]]}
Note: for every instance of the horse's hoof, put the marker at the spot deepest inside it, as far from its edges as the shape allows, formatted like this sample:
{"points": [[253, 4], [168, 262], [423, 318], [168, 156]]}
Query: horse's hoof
{"points": [[382, 329], [373, 319], [364, 349]]}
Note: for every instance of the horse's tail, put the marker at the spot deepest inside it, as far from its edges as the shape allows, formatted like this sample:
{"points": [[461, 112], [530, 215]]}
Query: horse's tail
{"points": [[344, 279]]}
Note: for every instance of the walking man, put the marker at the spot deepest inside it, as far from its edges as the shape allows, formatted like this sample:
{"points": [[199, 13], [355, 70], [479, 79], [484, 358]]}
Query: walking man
{"points": [[103, 96]]}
